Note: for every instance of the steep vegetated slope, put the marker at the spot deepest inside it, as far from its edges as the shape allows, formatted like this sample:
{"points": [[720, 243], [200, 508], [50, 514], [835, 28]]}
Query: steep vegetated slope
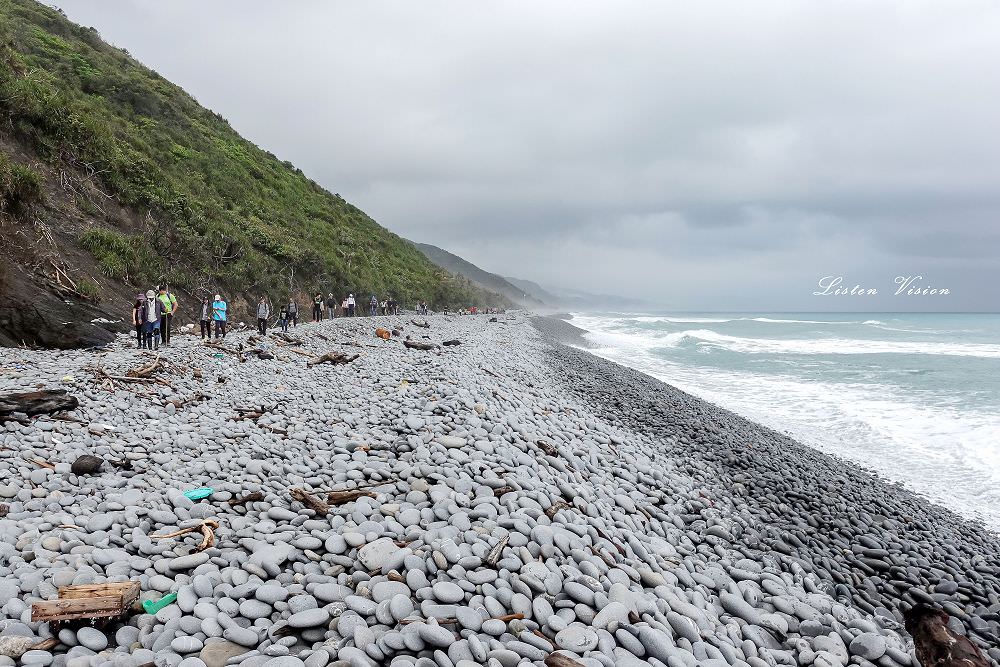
{"points": [[488, 281], [113, 179]]}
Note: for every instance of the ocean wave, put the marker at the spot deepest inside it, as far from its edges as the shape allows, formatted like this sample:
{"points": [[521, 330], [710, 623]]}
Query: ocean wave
{"points": [[946, 450], [706, 337]]}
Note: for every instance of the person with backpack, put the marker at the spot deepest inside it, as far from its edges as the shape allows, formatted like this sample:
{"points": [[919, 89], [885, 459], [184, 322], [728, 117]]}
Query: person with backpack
{"points": [[373, 306], [283, 319], [219, 308], [152, 316], [331, 305], [205, 319], [137, 317], [263, 313], [169, 302], [318, 307], [293, 312]]}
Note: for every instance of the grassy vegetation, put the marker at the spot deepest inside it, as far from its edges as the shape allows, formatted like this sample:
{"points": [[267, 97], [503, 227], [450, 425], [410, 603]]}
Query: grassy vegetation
{"points": [[20, 187], [226, 211]]}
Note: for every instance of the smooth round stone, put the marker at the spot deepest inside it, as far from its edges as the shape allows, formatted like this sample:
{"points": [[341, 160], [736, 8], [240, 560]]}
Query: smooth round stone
{"points": [[447, 592], [494, 626], [309, 618], [284, 661], [188, 562], [36, 657], [192, 661], [270, 593], [186, 644], [435, 635], [254, 609], [400, 606], [868, 645], [577, 638], [92, 638], [386, 590], [218, 653]]}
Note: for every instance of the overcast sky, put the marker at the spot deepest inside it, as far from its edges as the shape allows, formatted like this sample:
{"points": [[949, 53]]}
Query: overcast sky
{"points": [[722, 155]]}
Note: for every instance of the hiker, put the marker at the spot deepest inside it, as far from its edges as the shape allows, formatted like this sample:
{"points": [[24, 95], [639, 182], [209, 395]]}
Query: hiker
{"points": [[219, 316], [263, 313], [373, 306], [293, 312], [351, 305], [205, 319], [318, 307], [283, 319], [151, 321], [137, 315], [331, 305], [169, 302]]}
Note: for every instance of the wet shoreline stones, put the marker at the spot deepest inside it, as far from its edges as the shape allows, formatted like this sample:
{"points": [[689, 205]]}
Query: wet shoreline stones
{"points": [[528, 498]]}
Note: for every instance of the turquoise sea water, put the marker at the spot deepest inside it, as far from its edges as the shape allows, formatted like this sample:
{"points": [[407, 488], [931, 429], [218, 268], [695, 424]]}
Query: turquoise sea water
{"points": [[914, 397]]}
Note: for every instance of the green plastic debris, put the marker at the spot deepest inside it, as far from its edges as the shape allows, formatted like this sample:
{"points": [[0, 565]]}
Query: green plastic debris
{"points": [[151, 607], [198, 494]]}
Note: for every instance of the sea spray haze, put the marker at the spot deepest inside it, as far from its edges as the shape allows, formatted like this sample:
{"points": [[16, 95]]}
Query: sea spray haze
{"points": [[915, 397]]}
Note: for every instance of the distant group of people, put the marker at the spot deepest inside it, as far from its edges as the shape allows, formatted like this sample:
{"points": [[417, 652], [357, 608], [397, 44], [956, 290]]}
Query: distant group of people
{"points": [[153, 316]]}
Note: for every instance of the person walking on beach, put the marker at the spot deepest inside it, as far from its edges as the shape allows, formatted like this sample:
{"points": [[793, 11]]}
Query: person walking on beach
{"points": [[351, 305], [283, 319], [263, 313], [331, 305], [318, 307], [293, 312], [152, 318], [206, 319], [169, 302], [219, 308], [373, 306], [137, 317]]}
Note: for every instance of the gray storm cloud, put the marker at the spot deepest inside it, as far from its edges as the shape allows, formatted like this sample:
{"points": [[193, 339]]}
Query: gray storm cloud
{"points": [[719, 156]]}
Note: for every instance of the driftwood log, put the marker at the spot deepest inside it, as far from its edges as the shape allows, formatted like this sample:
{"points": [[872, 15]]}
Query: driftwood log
{"points": [[417, 345], [344, 497], [935, 644], [449, 343], [560, 660], [310, 501], [207, 536], [35, 403], [146, 371], [252, 497], [332, 358], [423, 325]]}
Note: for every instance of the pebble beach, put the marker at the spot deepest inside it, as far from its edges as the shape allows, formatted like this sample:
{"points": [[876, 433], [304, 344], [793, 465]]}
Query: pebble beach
{"points": [[509, 500]]}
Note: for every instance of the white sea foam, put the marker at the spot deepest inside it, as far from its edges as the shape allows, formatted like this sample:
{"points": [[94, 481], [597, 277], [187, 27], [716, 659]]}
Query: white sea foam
{"points": [[932, 442]]}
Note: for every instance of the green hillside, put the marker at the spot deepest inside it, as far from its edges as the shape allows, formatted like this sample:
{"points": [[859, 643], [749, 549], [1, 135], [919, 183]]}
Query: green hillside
{"points": [[163, 189]]}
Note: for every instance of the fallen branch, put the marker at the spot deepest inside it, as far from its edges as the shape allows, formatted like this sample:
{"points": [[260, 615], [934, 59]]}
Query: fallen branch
{"points": [[146, 371], [494, 556], [310, 501], [449, 343], [560, 660], [34, 403], [335, 358], [416, 345], [423, 325], [344, 497], [252, 497], [207, 539]]}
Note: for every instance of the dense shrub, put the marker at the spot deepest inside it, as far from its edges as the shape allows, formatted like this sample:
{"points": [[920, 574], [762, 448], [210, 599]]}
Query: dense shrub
{"points": [[78, 101]]}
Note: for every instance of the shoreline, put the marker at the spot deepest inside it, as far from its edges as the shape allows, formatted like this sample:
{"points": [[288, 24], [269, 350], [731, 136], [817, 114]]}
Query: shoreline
{"points": [[595, 510], [590, 378]]}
